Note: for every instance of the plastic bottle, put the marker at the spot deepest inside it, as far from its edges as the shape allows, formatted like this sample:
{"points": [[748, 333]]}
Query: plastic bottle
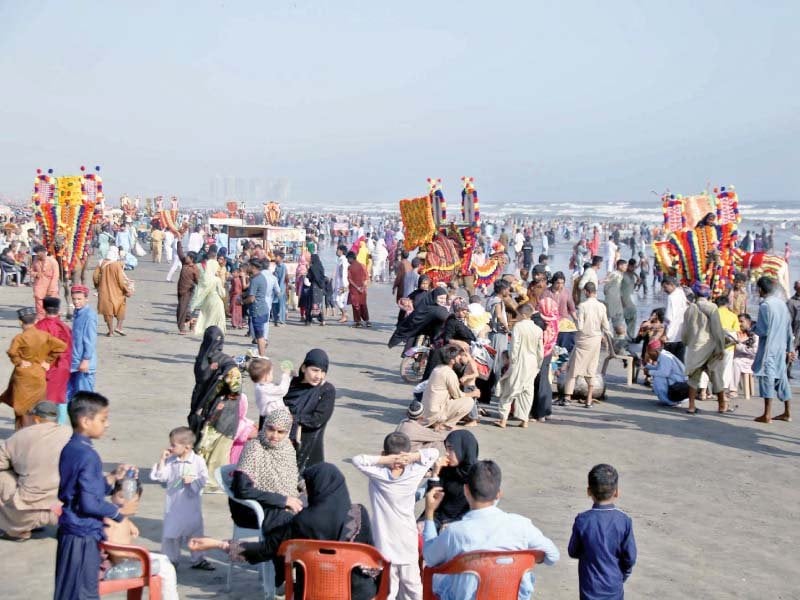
{"points": [[129, 485]]}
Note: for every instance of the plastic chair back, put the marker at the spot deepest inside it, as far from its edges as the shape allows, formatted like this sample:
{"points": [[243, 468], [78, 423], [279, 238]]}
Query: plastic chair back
{"points": [[133, 585], [327, 566], [499, 573]]}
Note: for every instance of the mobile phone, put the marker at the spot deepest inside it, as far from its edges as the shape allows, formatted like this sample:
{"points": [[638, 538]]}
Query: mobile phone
{"points": [[432, 483]]}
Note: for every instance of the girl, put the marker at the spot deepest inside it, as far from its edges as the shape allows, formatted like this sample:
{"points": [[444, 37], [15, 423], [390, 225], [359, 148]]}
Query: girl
{"points": [[310, 399], [452, 469]]}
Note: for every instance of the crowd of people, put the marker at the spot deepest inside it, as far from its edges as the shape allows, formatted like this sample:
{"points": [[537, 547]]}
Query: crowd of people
{"points": [[500, 350]]}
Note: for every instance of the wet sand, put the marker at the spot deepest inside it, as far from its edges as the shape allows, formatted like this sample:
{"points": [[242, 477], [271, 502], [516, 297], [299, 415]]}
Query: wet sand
{"points": [[713, 499]]}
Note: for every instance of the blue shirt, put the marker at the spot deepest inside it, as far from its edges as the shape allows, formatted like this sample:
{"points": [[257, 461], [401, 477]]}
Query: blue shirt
{"points": [[264, 288], [83, 489], [669, 367], [602, 541], [84, 338], [483, 529]]}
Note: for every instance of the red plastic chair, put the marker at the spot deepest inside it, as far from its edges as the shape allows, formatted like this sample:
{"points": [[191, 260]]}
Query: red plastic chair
{"points": [[499, 573], [327, 567], [134, 585]]}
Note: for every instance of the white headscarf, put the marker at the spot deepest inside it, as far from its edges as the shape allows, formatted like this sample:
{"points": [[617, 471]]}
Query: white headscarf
{"points": [[112, 254]]}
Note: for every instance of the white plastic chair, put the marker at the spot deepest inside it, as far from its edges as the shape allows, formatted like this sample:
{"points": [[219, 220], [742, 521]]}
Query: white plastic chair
{"points": [[224, 477]]}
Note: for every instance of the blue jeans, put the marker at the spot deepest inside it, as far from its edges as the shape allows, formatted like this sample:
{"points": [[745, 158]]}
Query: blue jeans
{"points": [[279, 308]]}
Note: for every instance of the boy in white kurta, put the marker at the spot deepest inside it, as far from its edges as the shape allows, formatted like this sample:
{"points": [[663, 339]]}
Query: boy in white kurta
{"points": [[185, 474], [393, 481]]}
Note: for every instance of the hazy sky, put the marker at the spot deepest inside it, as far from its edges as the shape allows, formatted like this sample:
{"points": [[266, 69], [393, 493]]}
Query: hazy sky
{"points": [[539, 101]]}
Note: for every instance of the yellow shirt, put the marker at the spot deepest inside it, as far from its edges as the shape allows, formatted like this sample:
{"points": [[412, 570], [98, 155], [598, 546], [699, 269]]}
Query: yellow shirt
{"points": [[730, 323]]}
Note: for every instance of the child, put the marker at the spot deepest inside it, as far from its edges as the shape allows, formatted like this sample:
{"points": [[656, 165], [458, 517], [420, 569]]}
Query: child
{"points": [[269, 396], [621, 340], [124, 533], [185, 474], [33, 352], [393, 481], [602, 539], [81, 492]]}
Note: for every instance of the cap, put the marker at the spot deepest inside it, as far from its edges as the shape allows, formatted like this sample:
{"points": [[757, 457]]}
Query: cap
{"points": [[25, 312], [415, 409], [654, 345], [45, 409], [79, 289]]}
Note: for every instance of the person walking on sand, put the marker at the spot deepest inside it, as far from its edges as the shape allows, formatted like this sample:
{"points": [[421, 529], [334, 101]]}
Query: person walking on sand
{"points": [[112, 291]]}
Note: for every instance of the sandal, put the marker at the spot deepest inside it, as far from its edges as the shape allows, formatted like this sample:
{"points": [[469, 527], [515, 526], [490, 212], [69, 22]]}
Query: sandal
{"points": [[204, 565], [692, 412], [120, 332]]}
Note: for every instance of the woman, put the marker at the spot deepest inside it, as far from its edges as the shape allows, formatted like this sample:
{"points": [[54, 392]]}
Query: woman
{"points": [[113, 288], [210, 368], [237, 287], [330, 515], [379, 266], [452, 469], [498, 323], [10, 265], [208, 295], [310, 399], [429, 315], [220, 423], [267, 473], [300, 275], [542, 390], [315, 297]]}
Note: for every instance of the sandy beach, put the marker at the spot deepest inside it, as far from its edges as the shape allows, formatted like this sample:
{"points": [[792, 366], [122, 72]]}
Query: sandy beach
{"points": [[713, 499]]}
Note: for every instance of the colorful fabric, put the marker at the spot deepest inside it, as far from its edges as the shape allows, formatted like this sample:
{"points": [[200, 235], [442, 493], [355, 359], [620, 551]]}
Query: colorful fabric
{"points": [[417, 216]]}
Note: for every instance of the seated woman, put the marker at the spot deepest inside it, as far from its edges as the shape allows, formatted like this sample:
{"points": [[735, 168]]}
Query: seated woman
{"points": [[451, 470], [267, 473], [744, 352], [328, 516]]}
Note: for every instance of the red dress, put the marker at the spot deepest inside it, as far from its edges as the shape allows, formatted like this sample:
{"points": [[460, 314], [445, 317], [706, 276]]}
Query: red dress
{"points": [[236, 302], [58, 374]]}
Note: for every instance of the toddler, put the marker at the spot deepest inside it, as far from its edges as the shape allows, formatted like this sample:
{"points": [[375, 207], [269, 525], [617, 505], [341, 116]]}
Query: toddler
{"points": [[124, 533], [269, 396], [185, 474], [394, 477], [602, 539]]}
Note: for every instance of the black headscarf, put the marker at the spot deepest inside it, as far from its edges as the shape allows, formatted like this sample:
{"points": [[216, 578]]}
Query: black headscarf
{"points": [[302, 397], [454, 504], [213, 341], [316, 272], [207, 379], [427, 319], [328, 505]]}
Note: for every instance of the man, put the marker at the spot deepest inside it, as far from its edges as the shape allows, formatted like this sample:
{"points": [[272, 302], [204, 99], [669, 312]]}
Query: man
{"points": [[179, 240], [29, 473], [157, 244], [613, 293], [611, 252], [525, 357], [592, 323], [411, 278], [83, 364], [673, 319], [484, 527], [32, 352], [402, 267], [590, 275], [443, 402], [794, 314], [644, 272], [196, 240], [730, 327], [58, 373], [44, 275], [169, 245], [704, 340], [738, 295], [774, 332], [125, 238], [357, 290], [543, 265], [340, 283], [669, 376], [421, 436], [260, 297], [187, 282], [527, 253], [628, 294], [282, 277]]}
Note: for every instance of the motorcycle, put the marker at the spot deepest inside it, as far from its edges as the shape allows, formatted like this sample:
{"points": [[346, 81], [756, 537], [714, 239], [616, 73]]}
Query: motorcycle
{"points": [[414, 361]]}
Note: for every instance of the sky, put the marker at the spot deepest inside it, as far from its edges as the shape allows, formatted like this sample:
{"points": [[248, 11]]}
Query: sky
{"points": [[539, 101]]}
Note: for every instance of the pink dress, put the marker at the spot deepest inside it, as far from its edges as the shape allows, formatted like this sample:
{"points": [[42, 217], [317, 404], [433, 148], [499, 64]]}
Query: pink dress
{"points": [[243, 432]]}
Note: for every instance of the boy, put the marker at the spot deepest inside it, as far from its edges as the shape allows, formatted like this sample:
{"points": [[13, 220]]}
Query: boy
{"points": [[393, 481], [185, 474], [269, 396], [32, 352], [81, 491], [123, 533], [602, 540], [58, 373]]}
